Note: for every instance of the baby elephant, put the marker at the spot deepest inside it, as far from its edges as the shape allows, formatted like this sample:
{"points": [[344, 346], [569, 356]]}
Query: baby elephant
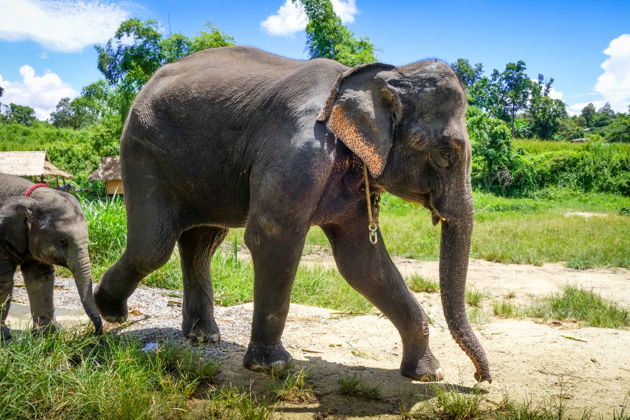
{"points": [[40, 227]]}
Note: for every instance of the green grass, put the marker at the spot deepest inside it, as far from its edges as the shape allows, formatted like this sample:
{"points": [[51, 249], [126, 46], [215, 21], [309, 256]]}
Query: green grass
{"points": [[531, 231], [573, 304], [544, 146], [419, 284], [233, 284], [292, 386], [356, 386], [474, 297], [71, 376], [506, 309], [451, 404], [509, 230], [582, 305]]}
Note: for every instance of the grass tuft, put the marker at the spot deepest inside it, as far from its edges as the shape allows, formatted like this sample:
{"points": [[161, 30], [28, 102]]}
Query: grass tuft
{"points": [[293, 387], [451, 404], [474, 297], [506, 309], [582, 305], [419, 284], [355, 385]]}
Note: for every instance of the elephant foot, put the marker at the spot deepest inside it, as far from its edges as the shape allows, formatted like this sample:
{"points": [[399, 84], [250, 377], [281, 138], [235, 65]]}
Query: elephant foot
{"points": [[425, 369], [111, 310], [260, 357], [45, 328], [5, 334], [201, 331]]}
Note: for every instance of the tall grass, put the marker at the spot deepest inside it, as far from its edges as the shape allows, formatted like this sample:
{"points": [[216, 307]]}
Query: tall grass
{"points": [[544, 146], [107, 224]]}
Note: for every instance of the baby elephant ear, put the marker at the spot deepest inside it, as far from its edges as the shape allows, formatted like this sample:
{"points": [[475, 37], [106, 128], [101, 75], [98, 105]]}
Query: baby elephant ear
{"points": [[15, 223], [360, 112]]}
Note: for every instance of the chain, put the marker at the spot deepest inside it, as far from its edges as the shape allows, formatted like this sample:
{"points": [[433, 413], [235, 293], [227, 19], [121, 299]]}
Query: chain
{"points": [[372, 218]]}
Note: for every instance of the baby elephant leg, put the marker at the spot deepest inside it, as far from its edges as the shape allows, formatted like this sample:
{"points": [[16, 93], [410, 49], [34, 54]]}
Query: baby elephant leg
{"points": [[7, 270], [39, 279]]}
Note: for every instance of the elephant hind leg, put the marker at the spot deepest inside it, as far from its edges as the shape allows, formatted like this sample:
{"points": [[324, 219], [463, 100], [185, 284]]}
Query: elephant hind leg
{"points": [[152, 231], [196, 247]]}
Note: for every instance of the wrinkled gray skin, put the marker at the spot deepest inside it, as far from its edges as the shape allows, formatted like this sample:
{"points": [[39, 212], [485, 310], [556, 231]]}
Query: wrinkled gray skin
{"points": [[36, 233], [231, 137]]}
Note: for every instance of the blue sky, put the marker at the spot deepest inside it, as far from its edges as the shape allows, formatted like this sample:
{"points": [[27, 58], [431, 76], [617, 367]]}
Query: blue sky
{"points": [[46, 47]]}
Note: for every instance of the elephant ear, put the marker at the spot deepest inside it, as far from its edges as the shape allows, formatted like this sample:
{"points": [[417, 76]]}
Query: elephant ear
{"points": [[361, 110], [15, 222]]}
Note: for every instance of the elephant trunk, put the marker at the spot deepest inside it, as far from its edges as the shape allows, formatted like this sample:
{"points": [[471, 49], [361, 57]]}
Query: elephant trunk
{"points": [[81, 271], [454, 252]]}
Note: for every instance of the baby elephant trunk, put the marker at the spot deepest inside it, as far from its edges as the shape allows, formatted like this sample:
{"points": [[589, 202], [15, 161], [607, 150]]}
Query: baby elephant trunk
{"points": [[81, 271]]}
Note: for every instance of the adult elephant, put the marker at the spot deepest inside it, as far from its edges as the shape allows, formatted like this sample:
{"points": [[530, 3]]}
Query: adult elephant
{"points": [[41, 227], [233, 137]]}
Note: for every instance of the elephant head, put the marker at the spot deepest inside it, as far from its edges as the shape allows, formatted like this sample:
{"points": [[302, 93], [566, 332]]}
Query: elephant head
{"points": [[52, 229], [407, 125]]}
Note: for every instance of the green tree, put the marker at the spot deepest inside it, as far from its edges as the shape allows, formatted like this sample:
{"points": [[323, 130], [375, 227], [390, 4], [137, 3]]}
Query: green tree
{"points": [[509, 92], [588, 113], [74, 114], [328, 37], [469, 74], [138, 49], [20, 114], [544, 114], [604, 116], [571, 128], [619, 129]]}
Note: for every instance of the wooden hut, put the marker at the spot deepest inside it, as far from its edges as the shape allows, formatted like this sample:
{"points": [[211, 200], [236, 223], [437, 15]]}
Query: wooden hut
{"points": [[33, 164], [109, 172]]}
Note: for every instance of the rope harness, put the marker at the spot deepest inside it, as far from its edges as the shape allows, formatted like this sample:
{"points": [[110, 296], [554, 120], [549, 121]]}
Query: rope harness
{"points": [[372, 218], [33, 188]]}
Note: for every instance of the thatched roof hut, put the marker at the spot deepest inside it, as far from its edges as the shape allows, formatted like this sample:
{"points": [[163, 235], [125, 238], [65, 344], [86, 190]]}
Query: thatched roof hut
{"points": [[30, 164], [109, 171]]}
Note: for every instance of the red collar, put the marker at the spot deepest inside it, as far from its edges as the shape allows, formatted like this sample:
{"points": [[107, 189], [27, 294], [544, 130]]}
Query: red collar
{"points": [[33, 188]]}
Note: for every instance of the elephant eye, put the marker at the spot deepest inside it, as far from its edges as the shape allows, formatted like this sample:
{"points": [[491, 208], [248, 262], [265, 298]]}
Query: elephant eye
{"points": [[62, 242], [441, 158]]}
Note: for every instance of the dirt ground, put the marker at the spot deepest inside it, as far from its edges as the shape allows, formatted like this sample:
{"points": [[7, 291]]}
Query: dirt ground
{"points": [[547, 362], [587, 368]]}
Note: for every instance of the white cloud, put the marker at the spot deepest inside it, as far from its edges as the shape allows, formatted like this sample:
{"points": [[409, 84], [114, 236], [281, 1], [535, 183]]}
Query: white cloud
{"points": [[66, 25], [614, 83], [290, 18], [555, 94], [42, 93]]}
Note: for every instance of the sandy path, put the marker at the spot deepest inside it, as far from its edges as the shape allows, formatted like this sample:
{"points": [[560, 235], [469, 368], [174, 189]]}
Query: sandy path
{"points": [[524, 281], [528, 359]]}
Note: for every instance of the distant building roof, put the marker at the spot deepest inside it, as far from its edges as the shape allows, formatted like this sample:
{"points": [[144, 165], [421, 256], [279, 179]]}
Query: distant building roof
{"points": [[108, 169], [33, 163]]}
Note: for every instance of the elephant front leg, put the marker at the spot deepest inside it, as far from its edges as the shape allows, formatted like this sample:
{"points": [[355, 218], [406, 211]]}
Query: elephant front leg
{"points": [[276, 251], [369, 269], [39, 280], [196, 247], [7, 271]]}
